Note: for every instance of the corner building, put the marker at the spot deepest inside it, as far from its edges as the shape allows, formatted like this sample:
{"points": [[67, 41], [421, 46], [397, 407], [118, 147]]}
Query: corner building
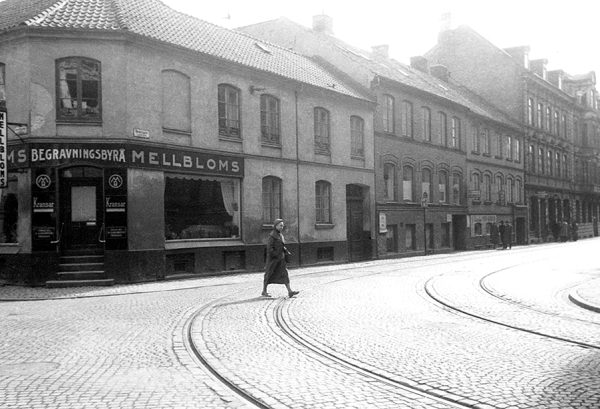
{"points": [[429, 193], [151, 144]]}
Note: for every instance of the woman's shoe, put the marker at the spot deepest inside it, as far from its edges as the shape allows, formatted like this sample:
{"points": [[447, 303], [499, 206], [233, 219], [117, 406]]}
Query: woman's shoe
{"points": [[265, 294], [293, 293]]}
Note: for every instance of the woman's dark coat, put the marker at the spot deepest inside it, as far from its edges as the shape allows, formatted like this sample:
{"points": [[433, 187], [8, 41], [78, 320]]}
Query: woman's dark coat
{"points": [[276, 268]]}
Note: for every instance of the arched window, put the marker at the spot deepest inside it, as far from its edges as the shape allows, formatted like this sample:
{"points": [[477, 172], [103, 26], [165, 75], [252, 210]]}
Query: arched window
{"points": [[443, 186], [488, 228], [407, 119], [271, 199], [443, 127], [270, 126], [510, 184], [388, 113], [389, 180], [475, 181], [500, 189], [518, 191], [322, 141], [477, 229], [540, 115], [407, 183], [78, 89], [456, 190], [487, 188], [229, 111], [176, 102], [426, 184], [540, 167], [357, 136], [549, 166], [323, 201], [530, 111]]}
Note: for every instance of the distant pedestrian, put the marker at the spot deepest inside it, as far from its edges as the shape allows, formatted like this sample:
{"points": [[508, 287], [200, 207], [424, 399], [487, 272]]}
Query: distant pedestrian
{"points": [[494, 235], [508, 230], [502, 232], [574, 232], [564, 231], [277, 259]]}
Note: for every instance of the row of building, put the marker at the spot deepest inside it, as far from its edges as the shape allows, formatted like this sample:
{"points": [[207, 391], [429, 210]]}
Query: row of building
{"points": [[168, 145]]}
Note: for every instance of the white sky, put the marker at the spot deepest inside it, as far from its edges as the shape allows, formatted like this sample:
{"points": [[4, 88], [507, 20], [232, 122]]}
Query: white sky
{"points": [[564, 32]]}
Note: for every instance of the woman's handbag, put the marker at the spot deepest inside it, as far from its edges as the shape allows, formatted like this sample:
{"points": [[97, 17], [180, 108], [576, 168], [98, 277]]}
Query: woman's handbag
{"points": [[287, 255]]}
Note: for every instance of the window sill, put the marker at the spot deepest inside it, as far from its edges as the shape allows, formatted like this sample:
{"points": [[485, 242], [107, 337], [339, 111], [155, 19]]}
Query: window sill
{"points": [[357, 157], [322, 152], [230, 138], [275, 145], [177, 131], [324, 226], [78, 122]]}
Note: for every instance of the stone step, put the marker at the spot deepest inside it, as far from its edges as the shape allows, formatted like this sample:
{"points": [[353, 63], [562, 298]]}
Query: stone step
{"points": [[81, 259], [64, 267], [79, 283], [81, 275]]}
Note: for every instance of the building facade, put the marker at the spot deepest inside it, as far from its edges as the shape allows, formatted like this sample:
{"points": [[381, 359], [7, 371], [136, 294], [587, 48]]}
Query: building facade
{"points": [[170, 148], [428, 177], [558, 115]]}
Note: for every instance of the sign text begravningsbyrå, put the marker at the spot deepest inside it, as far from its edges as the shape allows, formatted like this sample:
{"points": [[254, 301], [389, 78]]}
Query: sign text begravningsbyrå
{"points": [[42, 154]]}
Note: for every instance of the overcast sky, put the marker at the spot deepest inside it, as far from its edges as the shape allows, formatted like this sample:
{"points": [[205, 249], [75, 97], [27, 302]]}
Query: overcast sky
{"points": [[564, 32]]}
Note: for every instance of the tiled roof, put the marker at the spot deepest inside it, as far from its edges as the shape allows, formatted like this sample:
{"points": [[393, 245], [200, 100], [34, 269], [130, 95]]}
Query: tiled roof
{"points": [[153, 19]]}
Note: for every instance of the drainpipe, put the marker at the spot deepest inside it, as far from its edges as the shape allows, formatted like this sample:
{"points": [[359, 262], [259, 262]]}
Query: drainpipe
{"points": [[298, 179]]}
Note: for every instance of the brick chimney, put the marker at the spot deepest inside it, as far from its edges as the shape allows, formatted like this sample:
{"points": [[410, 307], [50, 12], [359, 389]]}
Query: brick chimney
{"points": [[440, 71], [381, 51], [323, 23], [420, 63]]}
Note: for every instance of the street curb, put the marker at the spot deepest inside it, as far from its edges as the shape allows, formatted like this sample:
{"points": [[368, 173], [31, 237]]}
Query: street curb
{"points": [[579, 301]]}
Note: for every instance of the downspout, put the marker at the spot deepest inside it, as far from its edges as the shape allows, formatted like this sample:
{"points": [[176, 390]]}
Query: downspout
{"points": [[298, 179]]}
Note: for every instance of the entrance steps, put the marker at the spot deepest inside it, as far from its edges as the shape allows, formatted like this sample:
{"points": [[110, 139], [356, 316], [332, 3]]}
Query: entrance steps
{"points": [[80, 270]]}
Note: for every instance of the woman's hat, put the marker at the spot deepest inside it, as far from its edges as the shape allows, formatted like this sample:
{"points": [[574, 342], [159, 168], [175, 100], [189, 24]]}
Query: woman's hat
{"points": [[276, 222]]}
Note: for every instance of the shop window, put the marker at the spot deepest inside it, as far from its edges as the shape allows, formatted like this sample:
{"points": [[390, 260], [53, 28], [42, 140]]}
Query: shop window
{"points": [[388, 113], [325, 254], [78, 89], [9, 212], [271, 199], [391, 238], [357, 137], [201, 207], [270, 119], [323, 201], [176, 102], [410, 242], [321, 122], [229, 111]]}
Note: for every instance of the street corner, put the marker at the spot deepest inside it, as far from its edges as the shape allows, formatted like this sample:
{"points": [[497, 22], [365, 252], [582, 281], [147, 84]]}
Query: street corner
{"points": [[587, 295]]}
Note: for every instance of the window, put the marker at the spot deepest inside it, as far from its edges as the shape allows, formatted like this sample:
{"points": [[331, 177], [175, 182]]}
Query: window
{"points": [[487, 147], [549, 166], [407, 183], [229, 111], [391, 238], [389, 179], [78, 89], [518, 191], [9, 212], [488, 228], [477, 229], [499, 145], [540, 115], [476, 182], [487, 188], [558, 169], [555, 124], [426, 185], [443, 124], [270, 114], [407, 119], [565, 167], [323, 201], [201, 207], [530, 111], [455, 133], [509, 147], [322, 130], [2, 82], [500, 189], [476, 140], [510, 183], [357, 136], [443, 186], [540, 167], [531, 159], [426, 112], [564, 126], [456, 193], [388, 114], [271, 199], [176, 102], [517, 143], [547, 120], [410, 242]]}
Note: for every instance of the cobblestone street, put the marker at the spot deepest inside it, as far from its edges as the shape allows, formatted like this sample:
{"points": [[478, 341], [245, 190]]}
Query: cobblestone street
{"points": [[486, 329]]}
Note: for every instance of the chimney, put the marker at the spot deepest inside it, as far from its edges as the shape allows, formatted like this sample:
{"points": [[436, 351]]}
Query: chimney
{"points": [[440, 71], [322, 23], [556, 78], [380, 51], [521, 54], [420, 63], [539, 67]]}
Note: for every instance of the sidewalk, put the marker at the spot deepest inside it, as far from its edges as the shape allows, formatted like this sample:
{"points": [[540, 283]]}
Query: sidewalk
{"points": [[587, 295]]}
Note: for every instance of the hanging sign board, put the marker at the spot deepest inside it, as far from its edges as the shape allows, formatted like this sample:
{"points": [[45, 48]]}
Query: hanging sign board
{"points": [[3, 149]]}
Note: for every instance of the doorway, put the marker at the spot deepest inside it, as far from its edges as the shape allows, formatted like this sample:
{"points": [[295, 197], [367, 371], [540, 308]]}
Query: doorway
{"points": [[354, 223], [459, 231], [81, 208]]}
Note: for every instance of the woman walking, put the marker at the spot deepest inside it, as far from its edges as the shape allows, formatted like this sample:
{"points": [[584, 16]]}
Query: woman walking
{"points": [[277, 258]]}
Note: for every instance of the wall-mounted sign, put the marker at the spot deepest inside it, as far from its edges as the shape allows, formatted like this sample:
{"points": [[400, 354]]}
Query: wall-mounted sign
{"points": [[3, 149], [124, 155], [43, 181], [382, 223], [115, 181], [141, 133], [448, 217]]}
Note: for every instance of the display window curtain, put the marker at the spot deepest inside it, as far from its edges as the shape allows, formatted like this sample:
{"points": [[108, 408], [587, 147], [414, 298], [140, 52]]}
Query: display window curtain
{"points": [[229, 200]]}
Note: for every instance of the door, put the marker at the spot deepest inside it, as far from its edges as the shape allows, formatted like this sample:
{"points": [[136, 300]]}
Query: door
{"points": [[81, 212], [459, 230], [355, 229]]}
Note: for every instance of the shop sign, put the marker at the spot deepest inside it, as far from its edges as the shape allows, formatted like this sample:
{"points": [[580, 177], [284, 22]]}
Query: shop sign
{"points": [[43, 233], [141, 133], [382, 223], [42, 206], [125, 155], [3, 149], [114, 205], [116, 232]]}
